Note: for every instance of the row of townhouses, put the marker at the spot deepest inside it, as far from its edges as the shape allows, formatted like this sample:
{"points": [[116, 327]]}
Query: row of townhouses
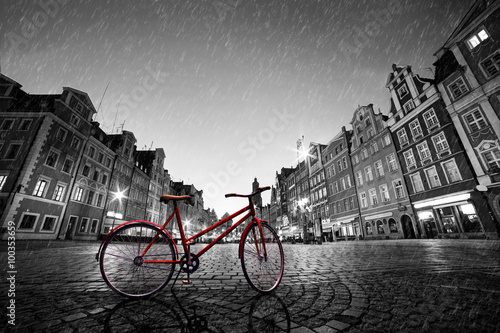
{"points": [[429, 168], [62, 177]]}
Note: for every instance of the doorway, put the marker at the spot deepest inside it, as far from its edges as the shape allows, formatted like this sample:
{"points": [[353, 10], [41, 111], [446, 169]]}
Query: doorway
{"points": [[71, 227], [408, 231]]}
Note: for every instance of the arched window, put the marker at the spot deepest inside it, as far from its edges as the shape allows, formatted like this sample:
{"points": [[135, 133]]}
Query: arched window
{"points": [[380, 227], [369, 228], [393, 227]]}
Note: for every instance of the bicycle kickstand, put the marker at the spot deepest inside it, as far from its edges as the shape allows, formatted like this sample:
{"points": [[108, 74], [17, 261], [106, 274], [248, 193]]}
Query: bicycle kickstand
{"points": [[188, 262]]}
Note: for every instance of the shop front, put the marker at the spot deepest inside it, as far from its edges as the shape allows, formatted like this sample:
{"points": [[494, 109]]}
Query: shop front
{"points": [[454, 216], [393, 224], [345, 228]]}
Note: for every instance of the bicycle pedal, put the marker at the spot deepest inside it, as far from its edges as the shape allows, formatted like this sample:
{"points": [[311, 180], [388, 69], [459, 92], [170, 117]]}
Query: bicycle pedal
{"points": [[187, 281]]}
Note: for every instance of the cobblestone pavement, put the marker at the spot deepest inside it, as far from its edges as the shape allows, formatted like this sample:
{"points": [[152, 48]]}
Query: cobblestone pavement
{"points": [[363, 286]]}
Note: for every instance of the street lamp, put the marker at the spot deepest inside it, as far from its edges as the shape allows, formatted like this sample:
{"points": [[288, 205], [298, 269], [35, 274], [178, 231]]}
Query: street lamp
{"points": [[119, 195]]}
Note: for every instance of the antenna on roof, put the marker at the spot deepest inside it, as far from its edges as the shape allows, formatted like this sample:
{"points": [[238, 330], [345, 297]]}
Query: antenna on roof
{"points": [[151, 145], [104, 93]]}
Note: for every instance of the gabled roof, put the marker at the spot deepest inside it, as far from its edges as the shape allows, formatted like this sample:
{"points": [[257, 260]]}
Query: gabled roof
{"points": [[83, 96], [8, 79], [34, 103]]}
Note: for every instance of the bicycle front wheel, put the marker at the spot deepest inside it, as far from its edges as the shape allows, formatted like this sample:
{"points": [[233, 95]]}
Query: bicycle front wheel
{"points": [[262, 273], [122, 264]]}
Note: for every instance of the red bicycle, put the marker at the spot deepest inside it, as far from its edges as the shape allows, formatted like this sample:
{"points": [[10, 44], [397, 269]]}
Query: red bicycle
{"points": [[138, 258]]}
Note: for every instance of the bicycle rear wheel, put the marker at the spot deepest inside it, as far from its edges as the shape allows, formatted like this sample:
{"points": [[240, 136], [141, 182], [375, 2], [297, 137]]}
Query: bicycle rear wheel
{"points": [[263, 274], [122, 266]]}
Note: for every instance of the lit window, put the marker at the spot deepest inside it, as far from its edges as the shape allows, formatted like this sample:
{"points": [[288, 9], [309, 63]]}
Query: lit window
{"points": [[477, 38], [458, 88], [475, 120], [40, 188], [58, 193], [416, 181], [79, 194], [3, 179]]}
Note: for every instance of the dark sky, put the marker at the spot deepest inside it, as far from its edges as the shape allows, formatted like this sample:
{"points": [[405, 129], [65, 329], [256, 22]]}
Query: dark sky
{"points": [[225, 87]]}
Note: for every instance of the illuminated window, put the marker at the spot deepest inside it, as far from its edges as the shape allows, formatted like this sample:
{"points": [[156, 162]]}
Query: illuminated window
{"points": [[477, 38], [40, 187]]}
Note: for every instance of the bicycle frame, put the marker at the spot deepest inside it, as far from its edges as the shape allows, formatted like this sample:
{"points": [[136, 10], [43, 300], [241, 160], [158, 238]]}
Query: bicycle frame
{"points": [[187, 241]]}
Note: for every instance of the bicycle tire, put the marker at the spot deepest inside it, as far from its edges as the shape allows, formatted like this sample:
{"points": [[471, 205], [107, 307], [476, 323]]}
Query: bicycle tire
{"points": [[120, 267], [263, 275]]}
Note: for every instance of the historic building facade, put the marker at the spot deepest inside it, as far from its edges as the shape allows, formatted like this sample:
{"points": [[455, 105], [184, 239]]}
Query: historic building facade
{"points": [[383, 198], [343, 208], [438, 173], [468, 78]]}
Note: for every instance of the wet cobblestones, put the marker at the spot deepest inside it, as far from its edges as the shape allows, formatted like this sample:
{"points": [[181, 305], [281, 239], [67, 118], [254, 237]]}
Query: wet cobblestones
{"points": [[388, 286]]}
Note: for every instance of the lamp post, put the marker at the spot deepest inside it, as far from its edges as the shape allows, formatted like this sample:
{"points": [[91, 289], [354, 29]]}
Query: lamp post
{"points": [[119, 195]]}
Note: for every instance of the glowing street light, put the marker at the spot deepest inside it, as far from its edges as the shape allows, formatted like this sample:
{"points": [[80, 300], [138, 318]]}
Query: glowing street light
{"points": [[119, 195]]}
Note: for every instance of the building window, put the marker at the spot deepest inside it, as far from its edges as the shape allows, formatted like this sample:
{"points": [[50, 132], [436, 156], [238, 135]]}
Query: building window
{"points": [[339, 165], [90, 198], [359, 178], [415, 129], [40, 187], [409, 159], [369, 133], [28, 221], [99, 200], [368, 174], [458, 88], [104, 179], [335, 187], [91, 151], [364, 153], [108, 162], [398, 189], [431, 119], [440, 143], [52, 158], [373, 197], [95, 176], [393, 227], [75, 143], [386, 141], [25, 124], [75, 121], [451, 171], [78, 194], [491, 156], [7, 124], [477, 38], [423, 151], [67, 166], [384, 193], [342, 184], [362, 200], [344, 163], [49, 223], [379, 169], [374, 147], [86, 170], [492, 64], [355, 159], [3, 179], [348, 181], [432, 177], [416, 181], [391, 162], [13, 151], [380, 227], [368, 227], [61, 134], [93, 228], [100, 157], [402, 137], [403, 91], [475, 120], [408, 106], [58, 192], [83, 224]]}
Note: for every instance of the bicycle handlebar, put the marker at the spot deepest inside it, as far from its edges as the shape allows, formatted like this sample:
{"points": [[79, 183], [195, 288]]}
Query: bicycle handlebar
{"points": [[259, 190]]}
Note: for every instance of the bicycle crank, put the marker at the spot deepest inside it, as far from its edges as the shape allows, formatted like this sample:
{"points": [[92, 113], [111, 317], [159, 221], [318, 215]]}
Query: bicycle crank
{"points": [[190, 266]]}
